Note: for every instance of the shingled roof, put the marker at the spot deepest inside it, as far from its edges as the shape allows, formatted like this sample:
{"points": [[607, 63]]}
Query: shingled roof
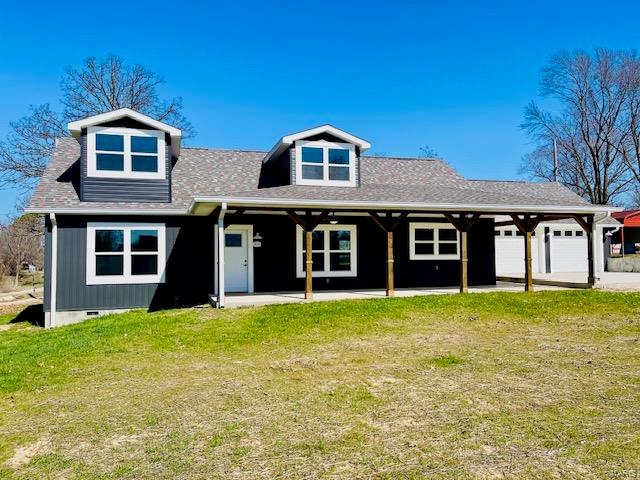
{"points": [[234, 174]]}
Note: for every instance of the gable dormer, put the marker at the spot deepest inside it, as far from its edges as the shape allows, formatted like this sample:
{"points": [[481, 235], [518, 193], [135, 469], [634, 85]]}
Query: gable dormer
{"points": [[125, 156], [322, 156]]}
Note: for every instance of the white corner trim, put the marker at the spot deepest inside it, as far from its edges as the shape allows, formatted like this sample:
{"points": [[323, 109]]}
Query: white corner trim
{"points": [[127, 277], [436, 241], [127, 133], [50, 320], [325, 146], [288, 140], [326, 271], [219, 279]]}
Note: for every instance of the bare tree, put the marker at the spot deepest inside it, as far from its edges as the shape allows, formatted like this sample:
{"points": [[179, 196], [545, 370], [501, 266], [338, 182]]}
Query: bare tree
{"points": [[592, 126], [21, 241], [99, 86], [427, 152]]}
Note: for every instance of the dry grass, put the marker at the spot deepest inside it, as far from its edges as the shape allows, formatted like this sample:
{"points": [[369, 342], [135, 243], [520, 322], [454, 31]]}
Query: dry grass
{"points": [[481, 386]]}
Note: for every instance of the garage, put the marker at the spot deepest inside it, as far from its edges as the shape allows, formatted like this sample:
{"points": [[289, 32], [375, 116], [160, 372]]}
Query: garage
{"points": [[510, 252], [555, 248]]}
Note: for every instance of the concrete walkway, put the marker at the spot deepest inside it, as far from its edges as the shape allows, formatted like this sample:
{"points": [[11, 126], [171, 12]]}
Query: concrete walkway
{"points": [[245, 300], [628, 281]]}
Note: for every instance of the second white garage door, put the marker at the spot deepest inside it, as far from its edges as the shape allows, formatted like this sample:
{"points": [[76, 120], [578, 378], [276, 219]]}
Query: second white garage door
{"points": [[568, 249], [510, 252]]}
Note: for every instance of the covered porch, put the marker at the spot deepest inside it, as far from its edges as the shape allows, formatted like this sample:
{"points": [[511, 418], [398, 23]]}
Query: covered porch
{"points": [[388, 219]]}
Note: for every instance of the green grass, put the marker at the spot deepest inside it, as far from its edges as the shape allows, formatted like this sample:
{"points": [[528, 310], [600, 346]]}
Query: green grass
{"points": [[543, 385]]}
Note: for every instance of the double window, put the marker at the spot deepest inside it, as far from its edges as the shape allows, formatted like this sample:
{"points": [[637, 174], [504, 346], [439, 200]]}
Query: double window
{"points": [[334, 249], [125, 153], [433, 241], [325, 163], [125, 253]]}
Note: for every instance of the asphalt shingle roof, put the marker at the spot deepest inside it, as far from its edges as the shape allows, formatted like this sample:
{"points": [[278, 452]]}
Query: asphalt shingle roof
{"points": [[203, 172]]}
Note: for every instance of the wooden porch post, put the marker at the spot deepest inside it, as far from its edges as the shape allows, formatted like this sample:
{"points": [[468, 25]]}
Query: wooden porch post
{"points": [[308, 224], [390, 287], [463, 224], [388, 224], [527, 226], [587, 225], [528, 266], [308, 282]]}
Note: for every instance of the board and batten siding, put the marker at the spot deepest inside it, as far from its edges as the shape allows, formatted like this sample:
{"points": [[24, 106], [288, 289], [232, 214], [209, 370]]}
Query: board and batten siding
{"points": [[188, 277], [94, 189]]}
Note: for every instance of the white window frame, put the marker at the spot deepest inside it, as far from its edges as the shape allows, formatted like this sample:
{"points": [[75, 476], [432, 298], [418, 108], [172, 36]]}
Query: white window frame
{"points": [[126, 277], [127, 133], [326, 272], [325, 145], [436, 241]]}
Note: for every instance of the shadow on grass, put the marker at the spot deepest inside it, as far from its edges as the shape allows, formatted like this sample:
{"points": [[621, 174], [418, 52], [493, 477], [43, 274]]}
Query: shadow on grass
{"points": [[33, 314]]}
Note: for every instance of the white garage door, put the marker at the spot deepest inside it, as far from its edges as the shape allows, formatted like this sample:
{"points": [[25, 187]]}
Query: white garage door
{"points": [[510, 253], [568, 250]]}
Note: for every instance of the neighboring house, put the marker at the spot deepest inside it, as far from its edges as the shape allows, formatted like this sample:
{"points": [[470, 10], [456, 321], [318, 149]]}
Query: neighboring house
{"points": [[134, 220]]}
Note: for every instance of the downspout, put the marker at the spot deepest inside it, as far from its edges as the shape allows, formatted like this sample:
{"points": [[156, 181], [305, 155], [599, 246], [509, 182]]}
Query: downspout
{"points": [[223, 211], [53, 271]]}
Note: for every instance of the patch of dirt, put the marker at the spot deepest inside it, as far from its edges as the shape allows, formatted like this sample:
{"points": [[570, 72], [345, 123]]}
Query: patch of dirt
{"points": [[23, 455]]}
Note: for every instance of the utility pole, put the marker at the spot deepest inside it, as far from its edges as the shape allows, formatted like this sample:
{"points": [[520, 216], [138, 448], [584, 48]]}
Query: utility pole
{"points": [[555, 160]]}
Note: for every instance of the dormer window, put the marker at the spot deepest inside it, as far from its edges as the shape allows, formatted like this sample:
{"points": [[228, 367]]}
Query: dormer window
{"points": [[115, 152], [325, 163]]}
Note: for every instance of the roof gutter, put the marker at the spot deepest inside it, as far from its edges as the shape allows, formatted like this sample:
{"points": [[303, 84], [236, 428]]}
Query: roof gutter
{"points": [[292, 203], [107, 211]]}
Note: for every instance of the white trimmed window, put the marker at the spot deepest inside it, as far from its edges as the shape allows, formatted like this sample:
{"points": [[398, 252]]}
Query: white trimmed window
{"points": [[334, 251], [120, 253], [114, 152], [433, 241], [325, 163]]}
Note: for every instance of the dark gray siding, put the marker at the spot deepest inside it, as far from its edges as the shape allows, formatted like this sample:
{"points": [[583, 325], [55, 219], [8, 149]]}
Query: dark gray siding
{"points": [[47, 265], [189, 270], [94, 189]]}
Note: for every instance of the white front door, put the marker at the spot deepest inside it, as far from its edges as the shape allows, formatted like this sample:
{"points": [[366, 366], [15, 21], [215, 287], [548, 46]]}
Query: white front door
{"points": [[236, 260]]}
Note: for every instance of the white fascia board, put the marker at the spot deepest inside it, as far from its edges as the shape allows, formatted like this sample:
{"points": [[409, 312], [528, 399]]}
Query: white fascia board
{"points": [[175, 133], [448, 207], [288, 140], [105, 211]]}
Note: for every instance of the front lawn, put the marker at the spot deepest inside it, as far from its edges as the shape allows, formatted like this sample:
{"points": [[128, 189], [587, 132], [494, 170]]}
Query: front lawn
{"points": [[543, 385]]}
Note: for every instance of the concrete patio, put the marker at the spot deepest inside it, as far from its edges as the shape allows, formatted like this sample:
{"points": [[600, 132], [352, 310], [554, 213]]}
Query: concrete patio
{"points": [[250, 300]]}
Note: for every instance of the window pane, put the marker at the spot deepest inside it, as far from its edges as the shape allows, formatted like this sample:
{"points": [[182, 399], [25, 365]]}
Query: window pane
{"points": [[144, 240], [340, 240], [312, 155], [233, 240], [447, 234], [508, 233], [339, 156], [557, 233], [568, 233], [318, 261], [111, 143], [312, 172], [339, 173], [339, 262], [110, 161], [109, 240], [424, 248], [144, 264], [497, 233], [317, 240], [579, 233], [109, 264], [144, 144], [447, 248], [424, 234], [143, 163]]}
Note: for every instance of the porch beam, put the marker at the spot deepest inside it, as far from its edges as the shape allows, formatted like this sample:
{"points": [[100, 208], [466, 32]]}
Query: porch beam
{"points": [[463, 223]]}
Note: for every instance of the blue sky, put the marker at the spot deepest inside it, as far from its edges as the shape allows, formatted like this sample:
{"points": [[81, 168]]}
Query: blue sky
{"points": [[453, 75]]}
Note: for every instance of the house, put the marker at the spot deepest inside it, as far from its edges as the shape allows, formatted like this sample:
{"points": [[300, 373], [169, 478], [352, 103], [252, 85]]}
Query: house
{"points": [[134, 220]]}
